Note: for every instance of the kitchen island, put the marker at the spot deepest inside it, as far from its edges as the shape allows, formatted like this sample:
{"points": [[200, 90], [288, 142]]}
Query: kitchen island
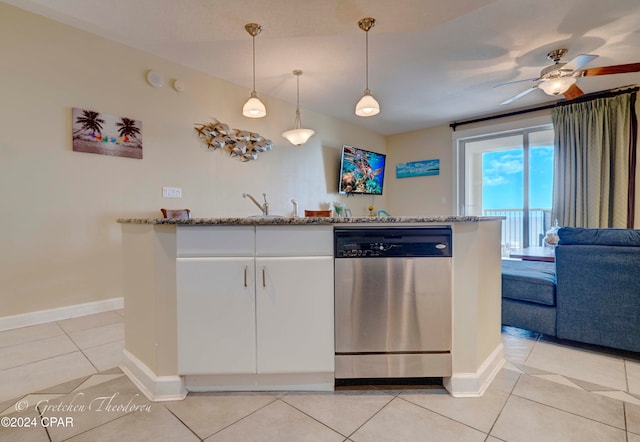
{"points": [[247, 303]]}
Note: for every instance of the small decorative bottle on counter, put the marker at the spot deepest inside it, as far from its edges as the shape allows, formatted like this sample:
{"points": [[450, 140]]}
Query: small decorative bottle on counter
{"points": [[338, 208], [370, 210]]}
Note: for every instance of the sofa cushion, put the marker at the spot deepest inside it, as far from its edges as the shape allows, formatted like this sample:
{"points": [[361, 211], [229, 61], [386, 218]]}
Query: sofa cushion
{"points": [[602, 237], [530, 281]]}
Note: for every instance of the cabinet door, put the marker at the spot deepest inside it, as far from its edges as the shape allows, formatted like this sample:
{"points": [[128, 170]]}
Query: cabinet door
{"points": [[216, 315], [294, 305]]}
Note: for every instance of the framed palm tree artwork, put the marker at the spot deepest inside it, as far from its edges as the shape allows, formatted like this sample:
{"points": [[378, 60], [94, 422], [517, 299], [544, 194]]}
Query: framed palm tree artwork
{"points": [[95, 132]]}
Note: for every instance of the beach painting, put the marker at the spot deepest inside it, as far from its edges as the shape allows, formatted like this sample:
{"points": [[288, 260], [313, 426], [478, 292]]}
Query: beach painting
{"points": [[104, 134], [418, 168]]}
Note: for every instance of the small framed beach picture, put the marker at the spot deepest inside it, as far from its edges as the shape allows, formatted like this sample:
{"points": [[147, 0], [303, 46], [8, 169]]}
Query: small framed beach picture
{"points": [[418, 168], [95, 132]]}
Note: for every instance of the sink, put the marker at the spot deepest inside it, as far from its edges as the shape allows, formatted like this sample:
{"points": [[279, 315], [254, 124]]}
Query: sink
{"points": [[265, 216]]}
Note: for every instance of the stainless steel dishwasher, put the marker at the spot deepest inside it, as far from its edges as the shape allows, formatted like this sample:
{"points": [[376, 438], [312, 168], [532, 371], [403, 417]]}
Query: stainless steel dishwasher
{"points": [[393, 302]]}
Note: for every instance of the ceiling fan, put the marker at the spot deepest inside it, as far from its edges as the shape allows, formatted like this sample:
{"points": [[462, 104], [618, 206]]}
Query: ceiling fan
{"points": [[560, 78]]}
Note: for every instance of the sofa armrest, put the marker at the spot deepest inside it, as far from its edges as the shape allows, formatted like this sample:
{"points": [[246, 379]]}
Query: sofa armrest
{"points": [[598, 295]]}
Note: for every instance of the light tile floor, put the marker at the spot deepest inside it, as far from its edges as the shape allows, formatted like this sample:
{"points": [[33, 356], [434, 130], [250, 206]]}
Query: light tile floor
{"points": [[65, 374]]}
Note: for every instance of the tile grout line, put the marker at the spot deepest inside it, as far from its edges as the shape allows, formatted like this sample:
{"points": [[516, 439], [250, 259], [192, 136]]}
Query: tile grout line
{"points": [[38, 360], [449, 417], [311, 417], [326, 425], [36, 339], [183, 423], [73, 342], [505, 404], [79, 349], [240, 419], [624, 416], [572, 413], [86, 330], [393, 397], [605, 388]]}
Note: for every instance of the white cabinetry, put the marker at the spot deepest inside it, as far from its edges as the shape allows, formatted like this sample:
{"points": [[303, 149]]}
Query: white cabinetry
{"points": [[255, 300], [295, 314], [216, 315]]}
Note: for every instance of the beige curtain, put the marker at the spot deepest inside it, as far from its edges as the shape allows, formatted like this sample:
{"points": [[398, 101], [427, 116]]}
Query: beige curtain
{"points": [[592, 162]]}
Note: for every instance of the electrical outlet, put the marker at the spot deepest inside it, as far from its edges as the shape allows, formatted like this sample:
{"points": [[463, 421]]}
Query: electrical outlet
{"points": [[172, 192]]}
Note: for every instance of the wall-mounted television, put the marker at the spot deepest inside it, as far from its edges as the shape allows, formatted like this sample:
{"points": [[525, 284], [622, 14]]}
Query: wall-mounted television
{"points": [[361, 171]]}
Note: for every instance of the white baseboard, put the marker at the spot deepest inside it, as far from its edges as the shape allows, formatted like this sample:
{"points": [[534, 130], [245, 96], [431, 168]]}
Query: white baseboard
{"points": [[155, 388], [475, 384], [60, 313]]}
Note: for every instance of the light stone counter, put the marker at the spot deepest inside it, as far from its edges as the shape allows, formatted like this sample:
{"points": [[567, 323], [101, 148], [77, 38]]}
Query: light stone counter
{"points": [[311, 220]]}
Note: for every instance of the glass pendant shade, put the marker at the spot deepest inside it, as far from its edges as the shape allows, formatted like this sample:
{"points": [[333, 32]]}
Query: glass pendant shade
{"points": [[367, 106], [254, 108], [298, 136], [557, 86]]}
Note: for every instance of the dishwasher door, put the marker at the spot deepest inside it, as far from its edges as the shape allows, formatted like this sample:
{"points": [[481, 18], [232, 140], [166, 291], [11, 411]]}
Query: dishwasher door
{"points": [[393, 305]]}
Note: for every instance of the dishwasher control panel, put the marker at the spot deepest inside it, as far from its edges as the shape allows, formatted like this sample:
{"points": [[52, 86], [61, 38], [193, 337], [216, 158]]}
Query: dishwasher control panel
{"points": [[385, 242]]}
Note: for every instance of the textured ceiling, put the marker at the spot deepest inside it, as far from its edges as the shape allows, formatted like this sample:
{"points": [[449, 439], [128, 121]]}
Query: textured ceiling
{"points": [[430, 61]]}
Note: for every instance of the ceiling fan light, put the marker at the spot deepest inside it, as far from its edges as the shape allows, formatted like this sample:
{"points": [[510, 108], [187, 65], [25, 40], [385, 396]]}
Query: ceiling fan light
{"points": [[298, 137], [254, 108], [557, 86], [367, 106]]}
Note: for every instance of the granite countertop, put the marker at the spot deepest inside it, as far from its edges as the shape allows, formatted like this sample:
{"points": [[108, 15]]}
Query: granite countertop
{"points": [[301, 220]]}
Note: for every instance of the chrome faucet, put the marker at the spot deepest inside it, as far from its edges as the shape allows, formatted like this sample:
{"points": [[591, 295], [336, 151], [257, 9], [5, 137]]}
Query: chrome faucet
{"points": [[264, 207], [295, 208]]}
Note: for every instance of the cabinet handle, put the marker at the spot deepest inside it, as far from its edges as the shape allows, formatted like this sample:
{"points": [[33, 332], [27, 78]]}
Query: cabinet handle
{"points": [[264, 279], [245, 275]]}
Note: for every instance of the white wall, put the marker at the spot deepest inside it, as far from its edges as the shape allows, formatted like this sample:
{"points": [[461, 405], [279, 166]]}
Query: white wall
{"points": [[425, 195], [59, 238]]}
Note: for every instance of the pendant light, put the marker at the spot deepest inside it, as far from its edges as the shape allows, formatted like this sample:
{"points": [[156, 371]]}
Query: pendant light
{"points": [[298, 136], [254, 108], [367, 106]]}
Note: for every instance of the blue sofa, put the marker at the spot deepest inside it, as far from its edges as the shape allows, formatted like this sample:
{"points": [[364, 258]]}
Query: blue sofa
{"points": [[591, 294]]}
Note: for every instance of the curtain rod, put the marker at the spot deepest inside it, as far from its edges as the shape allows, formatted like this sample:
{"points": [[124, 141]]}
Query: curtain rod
{"points": [[603, 94], [495, 117], [586, 97]]}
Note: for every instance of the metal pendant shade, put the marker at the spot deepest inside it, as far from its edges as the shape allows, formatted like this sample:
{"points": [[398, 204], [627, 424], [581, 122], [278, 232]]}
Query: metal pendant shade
{"points": [[368, 106], [254, 108], [298, 136]]}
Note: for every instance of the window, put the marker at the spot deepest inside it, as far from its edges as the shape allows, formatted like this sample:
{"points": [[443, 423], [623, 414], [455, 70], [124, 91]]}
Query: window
{"points": [[509, 174]]}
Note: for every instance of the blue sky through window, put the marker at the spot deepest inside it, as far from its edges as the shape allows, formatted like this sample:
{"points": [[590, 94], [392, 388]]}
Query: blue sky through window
{"points": [[502, 178]]}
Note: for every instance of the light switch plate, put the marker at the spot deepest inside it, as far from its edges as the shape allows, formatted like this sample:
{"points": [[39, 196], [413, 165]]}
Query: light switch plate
{"points": [[172, 192]]}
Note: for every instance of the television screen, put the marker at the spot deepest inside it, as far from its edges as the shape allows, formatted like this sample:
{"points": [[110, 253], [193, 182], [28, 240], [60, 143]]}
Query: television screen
{"points": [[361, 171]]}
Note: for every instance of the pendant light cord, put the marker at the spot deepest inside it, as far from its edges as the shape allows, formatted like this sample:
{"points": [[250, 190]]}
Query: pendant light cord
{"points": [[298, 122], [253, 39], [367, 59]]}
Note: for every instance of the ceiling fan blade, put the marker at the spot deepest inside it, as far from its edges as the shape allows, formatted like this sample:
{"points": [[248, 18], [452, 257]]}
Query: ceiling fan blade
{"points": [[609, 70], [573, 92], [579, 62], [516, 81], [520, 95]]}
